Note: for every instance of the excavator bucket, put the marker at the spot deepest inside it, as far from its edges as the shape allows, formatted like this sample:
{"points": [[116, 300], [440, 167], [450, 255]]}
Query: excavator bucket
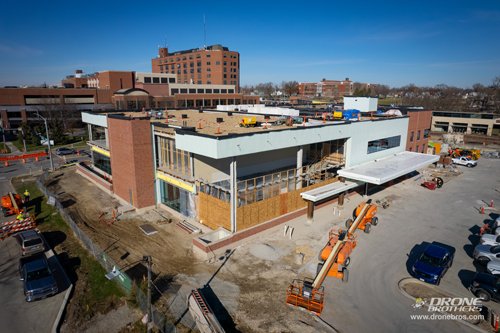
{"points": [[302, 294]]}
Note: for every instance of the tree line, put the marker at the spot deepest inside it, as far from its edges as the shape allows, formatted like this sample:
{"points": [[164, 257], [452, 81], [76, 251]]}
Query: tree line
{"points": [[479, 97]]}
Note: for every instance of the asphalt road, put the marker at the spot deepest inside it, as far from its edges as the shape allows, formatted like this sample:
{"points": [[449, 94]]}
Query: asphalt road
{"points": [[371, 300], [16, 315]]}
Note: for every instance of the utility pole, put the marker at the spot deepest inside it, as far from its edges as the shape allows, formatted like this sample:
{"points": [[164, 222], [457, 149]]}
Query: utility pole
{"points": [[149, 323], [48, 140]]}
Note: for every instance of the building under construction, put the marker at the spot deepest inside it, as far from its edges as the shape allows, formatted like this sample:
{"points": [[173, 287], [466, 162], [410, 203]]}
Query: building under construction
{"points": [[235, 172]]}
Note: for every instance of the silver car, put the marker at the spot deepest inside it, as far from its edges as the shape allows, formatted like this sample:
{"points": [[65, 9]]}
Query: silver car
{"points": [[493, 267], [484, 253], [489, 239]]}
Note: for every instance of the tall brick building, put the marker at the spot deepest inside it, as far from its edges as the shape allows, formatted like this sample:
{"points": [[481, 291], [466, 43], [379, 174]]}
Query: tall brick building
{"points": [[214, 64]]}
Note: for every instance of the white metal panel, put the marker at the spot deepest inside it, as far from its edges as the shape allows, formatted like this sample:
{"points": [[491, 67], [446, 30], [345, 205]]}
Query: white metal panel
{"points": [[358, 133], [95, 119], [383, 170]]}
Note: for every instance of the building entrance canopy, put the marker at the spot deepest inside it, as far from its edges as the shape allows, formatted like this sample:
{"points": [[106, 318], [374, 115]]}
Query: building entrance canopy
{"points": [[385, 169], [328, 191]]}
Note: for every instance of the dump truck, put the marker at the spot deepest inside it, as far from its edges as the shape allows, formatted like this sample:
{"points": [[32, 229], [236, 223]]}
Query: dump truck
{"points": [[12, 204]]}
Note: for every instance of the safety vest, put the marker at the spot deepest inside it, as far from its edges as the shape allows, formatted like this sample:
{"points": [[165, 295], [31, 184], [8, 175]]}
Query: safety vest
{"points": [[26, 193]]}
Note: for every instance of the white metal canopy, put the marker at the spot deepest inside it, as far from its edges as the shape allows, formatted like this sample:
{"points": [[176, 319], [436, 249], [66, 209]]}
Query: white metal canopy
{"points": [[329, 190], [388, 168]]}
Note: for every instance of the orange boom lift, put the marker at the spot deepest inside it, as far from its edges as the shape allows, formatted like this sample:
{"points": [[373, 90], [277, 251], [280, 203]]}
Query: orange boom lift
{"points": [[334, 259], [11, 204]]}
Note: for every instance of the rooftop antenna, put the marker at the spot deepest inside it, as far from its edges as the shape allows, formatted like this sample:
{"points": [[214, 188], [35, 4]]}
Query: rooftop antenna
{"points": [[204, 32]]}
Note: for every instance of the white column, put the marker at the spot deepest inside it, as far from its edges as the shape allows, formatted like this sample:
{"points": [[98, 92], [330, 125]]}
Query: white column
{"points": [[300, 155], [106, 134], [234, 193], [191, 164], [90, 131]]}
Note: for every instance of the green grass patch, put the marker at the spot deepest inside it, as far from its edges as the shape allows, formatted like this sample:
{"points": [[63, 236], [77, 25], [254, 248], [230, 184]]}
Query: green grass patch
{"points": [[97, 293], [389, 101], [76, 144], [4, 149], [29, 147]]}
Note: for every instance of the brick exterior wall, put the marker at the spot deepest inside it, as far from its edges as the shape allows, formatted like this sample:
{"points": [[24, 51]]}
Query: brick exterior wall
{"points": [[419, 120], [204, 66], [132, 160], [116, 80]]}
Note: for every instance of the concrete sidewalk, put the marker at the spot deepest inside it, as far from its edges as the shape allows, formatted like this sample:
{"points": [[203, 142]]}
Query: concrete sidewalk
{"points": [[13, 149]]}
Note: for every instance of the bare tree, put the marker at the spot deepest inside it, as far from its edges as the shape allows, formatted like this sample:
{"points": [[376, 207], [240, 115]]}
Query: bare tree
{"points": [[266, 89], [290, 88]]}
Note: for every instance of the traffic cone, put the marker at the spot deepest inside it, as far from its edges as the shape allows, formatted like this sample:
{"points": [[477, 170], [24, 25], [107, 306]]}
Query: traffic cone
{"points": [[482, 210], [36, 158], [6, 163], [491, 203]]}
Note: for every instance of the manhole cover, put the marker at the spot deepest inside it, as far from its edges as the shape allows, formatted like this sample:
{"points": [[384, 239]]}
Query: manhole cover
{"points": [[148, 229]]}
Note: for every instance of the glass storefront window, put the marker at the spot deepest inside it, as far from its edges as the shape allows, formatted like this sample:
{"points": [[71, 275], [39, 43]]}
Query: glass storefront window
{"points": [[178, 199], [102, 162]]}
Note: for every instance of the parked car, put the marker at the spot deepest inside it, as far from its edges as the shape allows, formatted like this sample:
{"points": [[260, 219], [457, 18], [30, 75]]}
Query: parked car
{"points": [[489, 239], [493, 267], [64, 151], [463, 160], [485, 253], [38, 279], [84, 152], [31, 242], [486, 287], [432, 264]]}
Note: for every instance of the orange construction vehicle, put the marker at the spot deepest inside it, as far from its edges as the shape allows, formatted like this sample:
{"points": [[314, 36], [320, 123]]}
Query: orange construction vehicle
{"points": [[339, 267], [335, 256], [11, 204], [364, 218]]}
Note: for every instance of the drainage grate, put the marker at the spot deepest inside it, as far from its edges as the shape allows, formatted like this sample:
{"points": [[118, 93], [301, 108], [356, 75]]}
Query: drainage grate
{"points": [[148, 229]]}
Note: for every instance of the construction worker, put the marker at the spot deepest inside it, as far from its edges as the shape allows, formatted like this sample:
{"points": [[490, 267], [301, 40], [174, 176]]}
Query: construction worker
{"points": [[20, 216], [26, 196]]}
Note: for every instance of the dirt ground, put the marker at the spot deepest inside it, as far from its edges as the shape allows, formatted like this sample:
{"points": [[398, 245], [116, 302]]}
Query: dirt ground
{"points": [[251, 284]]}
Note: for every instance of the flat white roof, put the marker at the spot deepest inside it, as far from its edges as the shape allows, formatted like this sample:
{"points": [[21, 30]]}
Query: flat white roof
{"points": [[388, 168], [329, 190]]}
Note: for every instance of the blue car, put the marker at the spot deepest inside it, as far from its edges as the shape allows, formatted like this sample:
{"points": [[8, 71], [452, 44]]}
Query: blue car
{"points": [[432, 264]]}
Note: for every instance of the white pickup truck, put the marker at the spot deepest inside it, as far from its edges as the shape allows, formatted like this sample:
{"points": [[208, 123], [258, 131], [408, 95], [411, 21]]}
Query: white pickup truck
{"points": [[464, 161]]}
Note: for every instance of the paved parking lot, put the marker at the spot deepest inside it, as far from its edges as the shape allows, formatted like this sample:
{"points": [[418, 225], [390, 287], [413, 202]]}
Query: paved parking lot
{"points": [[371, 301], [17, 315]]}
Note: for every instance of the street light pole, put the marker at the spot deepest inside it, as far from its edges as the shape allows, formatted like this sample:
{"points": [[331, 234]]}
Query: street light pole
{"points": [[48, 141]]}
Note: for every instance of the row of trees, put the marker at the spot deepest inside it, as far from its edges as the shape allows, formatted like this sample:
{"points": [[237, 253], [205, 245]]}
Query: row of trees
{"points": [[443, 97], [268, 89], [484, 98], [61, 120]]}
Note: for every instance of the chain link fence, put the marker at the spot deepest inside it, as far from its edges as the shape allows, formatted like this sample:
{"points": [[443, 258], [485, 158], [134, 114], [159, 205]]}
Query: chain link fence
{"points": [[123, 280]]}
